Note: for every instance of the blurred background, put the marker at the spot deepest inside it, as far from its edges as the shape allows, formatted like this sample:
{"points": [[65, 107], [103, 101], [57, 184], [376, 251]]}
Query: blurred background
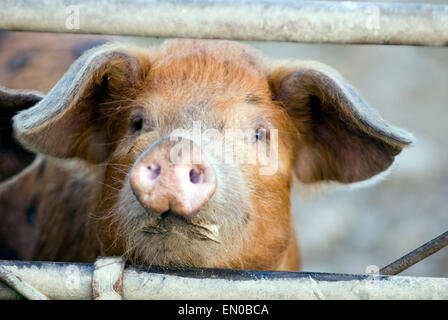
{"points": [[345, 229]]}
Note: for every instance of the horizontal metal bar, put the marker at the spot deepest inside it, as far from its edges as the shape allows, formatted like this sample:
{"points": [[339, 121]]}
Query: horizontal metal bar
{"points": [[20, 286], [74, 281], [298, 21]]}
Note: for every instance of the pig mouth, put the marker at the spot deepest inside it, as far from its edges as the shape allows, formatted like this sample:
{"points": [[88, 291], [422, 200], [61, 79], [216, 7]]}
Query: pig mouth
{"points": [[170, 224]]}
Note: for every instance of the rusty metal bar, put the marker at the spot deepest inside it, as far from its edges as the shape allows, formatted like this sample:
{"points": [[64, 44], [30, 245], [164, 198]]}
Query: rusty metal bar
{"points": [[74, 281], [297, 21], [416, 255], [107, 282]]}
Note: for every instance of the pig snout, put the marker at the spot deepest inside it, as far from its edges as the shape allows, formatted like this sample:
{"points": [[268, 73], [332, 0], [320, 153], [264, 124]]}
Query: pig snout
{"points": [[173, 176]]}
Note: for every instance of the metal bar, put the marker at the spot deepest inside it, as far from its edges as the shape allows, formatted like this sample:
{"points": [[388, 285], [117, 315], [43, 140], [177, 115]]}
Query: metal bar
{"points": [[61, 281], [74, 281], [416, 255], [20, 286], [297, 21]]}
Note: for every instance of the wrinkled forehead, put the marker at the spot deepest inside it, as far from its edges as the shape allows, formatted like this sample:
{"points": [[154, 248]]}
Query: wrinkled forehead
{"points": [[215, 82]]}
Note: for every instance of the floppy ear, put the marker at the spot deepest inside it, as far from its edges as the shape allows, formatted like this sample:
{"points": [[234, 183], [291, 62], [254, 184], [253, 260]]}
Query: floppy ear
{"points": [[68, 122], [340, 137], [13, 157]]}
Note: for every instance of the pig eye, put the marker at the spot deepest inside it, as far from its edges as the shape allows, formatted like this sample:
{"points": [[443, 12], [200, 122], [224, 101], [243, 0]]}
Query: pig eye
{"points": [[260, 134], [136, 123]]}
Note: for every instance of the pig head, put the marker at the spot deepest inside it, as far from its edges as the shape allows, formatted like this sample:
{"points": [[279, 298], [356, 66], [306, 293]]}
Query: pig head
{"points": [[120, 126]]}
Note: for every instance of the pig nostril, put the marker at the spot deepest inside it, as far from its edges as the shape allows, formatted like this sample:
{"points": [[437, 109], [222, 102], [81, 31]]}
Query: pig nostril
{"points": [[154, 171], [195, 176], [164, 215]]}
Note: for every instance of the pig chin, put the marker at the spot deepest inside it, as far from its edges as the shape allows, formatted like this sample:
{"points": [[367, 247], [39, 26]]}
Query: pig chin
{"points": [[209, 238]]}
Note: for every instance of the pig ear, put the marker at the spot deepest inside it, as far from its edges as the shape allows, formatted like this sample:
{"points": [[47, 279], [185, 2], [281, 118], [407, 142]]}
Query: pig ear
{"points": [[13, 157], [340, 137], [68, 122]]}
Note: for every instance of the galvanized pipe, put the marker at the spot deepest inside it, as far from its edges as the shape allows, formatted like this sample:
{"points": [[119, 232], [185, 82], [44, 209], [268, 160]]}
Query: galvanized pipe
{"points": [[74, 281], [298, 21], [20, 286]]}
